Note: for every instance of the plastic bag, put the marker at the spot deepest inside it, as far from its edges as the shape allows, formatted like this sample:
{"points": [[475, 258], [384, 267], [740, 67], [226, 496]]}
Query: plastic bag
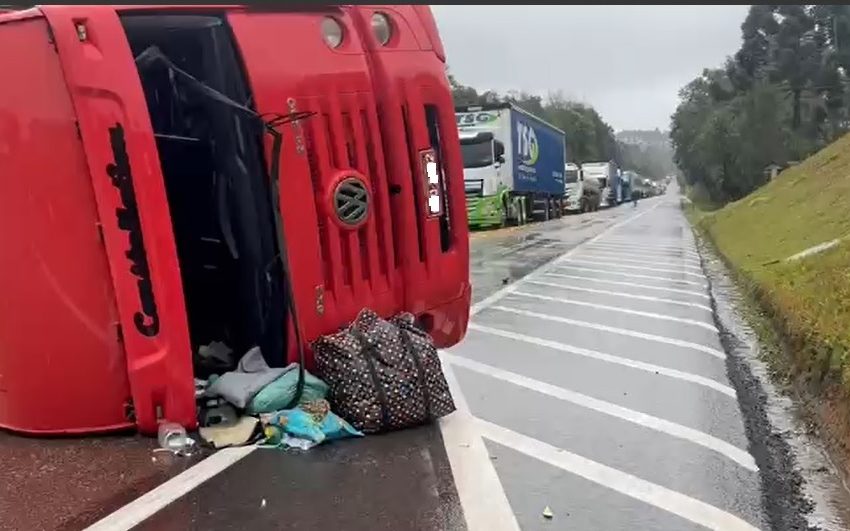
{"points": [[278, 394], [302, 425]]}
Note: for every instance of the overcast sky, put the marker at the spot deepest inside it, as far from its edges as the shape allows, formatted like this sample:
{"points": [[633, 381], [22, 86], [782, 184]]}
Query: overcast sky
{"points": [[629, 62]]}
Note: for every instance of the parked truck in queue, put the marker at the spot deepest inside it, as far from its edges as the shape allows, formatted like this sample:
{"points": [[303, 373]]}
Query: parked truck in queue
{"points": [[513, 165], [582, 195], [605, 174], [242, 174]]}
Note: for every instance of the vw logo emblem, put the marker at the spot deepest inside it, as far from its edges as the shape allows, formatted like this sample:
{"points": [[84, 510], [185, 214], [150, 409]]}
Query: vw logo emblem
{"points": [[351, 201]]}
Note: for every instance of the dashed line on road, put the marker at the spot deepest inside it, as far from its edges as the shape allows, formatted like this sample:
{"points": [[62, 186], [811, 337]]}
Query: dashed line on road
{"points": [[629, 284], [620, 294], [730, 451], [632, 275], [639, 268], [609, 358], [671, 501], [614, 330], [652, 315]]}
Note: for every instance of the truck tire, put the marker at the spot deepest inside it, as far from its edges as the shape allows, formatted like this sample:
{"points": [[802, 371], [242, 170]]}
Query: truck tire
{"points": [[522, 210]]}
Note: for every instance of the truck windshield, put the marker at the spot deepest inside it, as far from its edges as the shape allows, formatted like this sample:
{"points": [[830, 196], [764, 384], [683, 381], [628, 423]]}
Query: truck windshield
{"points": [[476, 154], [571, 176]]}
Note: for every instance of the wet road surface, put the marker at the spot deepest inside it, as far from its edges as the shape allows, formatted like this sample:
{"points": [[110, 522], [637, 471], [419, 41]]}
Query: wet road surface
{"points": [[599, 386], [595, 385]]}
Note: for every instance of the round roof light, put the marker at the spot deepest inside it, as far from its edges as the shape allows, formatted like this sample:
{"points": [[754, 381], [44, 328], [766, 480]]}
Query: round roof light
{"points": [[382, 28], [332, 32]]}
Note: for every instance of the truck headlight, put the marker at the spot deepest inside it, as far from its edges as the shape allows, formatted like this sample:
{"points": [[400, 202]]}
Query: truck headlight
{"points": [[382, 28], [332, 32]]}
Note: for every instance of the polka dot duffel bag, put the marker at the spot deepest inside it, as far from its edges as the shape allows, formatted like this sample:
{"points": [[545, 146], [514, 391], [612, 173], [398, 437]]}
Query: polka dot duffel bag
{"points": [[383, 375]]}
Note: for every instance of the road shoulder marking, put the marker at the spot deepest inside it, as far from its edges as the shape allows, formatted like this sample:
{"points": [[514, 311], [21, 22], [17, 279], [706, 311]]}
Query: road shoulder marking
{"points": [[565, 265], [614, 330], [620, 294], [671, 501], [629, 284], [609, 358], [651, 315], [710, 442]]}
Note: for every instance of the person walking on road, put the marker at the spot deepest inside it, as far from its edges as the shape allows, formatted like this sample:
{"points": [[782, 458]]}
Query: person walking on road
{"points": [[634, 198]]}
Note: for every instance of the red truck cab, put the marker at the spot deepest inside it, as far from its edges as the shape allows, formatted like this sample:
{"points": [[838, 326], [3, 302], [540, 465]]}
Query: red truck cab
{"points": [[169, 175]]}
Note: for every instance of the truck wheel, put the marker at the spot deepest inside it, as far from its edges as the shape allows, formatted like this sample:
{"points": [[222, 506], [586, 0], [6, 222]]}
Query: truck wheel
{"points": [[522, 215]]}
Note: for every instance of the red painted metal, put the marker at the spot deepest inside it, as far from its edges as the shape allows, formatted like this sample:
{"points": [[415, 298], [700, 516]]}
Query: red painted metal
{"points": [[87, 330]]}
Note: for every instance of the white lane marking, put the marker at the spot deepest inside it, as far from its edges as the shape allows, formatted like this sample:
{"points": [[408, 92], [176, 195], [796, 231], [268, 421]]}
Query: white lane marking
{"points": [[542, 270], [628, 284], [650, 247], [608, 358], [631, 275], [671, 501], [642, 250], [482, 497], [742, 457], [145, 506], [627, 266], [623, 258], [485, 504], [620, 294], [614, 330], [652, 315]]}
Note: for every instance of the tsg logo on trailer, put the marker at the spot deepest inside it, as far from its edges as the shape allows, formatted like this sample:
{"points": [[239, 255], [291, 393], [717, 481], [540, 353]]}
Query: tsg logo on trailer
{"points": [[527, 146]]}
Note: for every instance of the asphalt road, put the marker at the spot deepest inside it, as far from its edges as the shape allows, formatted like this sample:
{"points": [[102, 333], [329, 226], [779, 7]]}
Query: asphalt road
{"points": [[594, 385], [599, 385]]}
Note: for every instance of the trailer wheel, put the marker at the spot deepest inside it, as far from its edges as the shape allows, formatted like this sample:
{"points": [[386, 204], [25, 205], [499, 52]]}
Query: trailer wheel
{"points": [[522, 213]]}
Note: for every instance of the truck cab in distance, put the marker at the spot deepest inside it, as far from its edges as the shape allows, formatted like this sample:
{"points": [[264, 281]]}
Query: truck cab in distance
{"points": [[605, 175], [582, 194]]}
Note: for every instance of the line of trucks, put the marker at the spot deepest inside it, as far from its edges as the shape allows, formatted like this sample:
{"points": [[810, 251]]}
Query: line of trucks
{"points": [[515, 170]]}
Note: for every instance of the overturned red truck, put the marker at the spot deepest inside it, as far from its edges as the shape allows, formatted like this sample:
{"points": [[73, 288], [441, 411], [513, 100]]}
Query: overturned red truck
{"points": [[176, 175]]}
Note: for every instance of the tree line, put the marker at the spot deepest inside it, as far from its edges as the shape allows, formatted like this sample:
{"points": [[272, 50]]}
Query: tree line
{"points": [[782, 96], [589, 137]]}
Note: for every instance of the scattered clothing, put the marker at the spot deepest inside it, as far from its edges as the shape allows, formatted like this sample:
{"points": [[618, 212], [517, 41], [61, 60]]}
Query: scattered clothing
{"points": [[280, 393], [316, 423], [234, 433], [383, 375], [252, 374]]}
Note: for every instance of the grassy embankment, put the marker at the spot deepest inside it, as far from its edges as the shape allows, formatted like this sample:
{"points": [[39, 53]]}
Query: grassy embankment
{"points": [[808, 299]]}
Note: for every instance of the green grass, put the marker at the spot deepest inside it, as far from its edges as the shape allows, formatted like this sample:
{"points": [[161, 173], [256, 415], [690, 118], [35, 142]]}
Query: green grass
{"points": [[809, 299]]}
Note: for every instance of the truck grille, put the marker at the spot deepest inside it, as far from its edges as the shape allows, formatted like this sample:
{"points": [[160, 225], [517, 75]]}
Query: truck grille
{"points": [[355, 260]]}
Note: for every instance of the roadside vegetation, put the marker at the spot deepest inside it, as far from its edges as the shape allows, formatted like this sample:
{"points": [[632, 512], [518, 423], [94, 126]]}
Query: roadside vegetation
{"points": [[783, 97], [808, 298]]}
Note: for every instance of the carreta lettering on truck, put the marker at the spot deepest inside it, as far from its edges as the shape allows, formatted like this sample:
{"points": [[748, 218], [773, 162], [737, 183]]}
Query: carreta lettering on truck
{"points": [[215, 175], [513, 165]]}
